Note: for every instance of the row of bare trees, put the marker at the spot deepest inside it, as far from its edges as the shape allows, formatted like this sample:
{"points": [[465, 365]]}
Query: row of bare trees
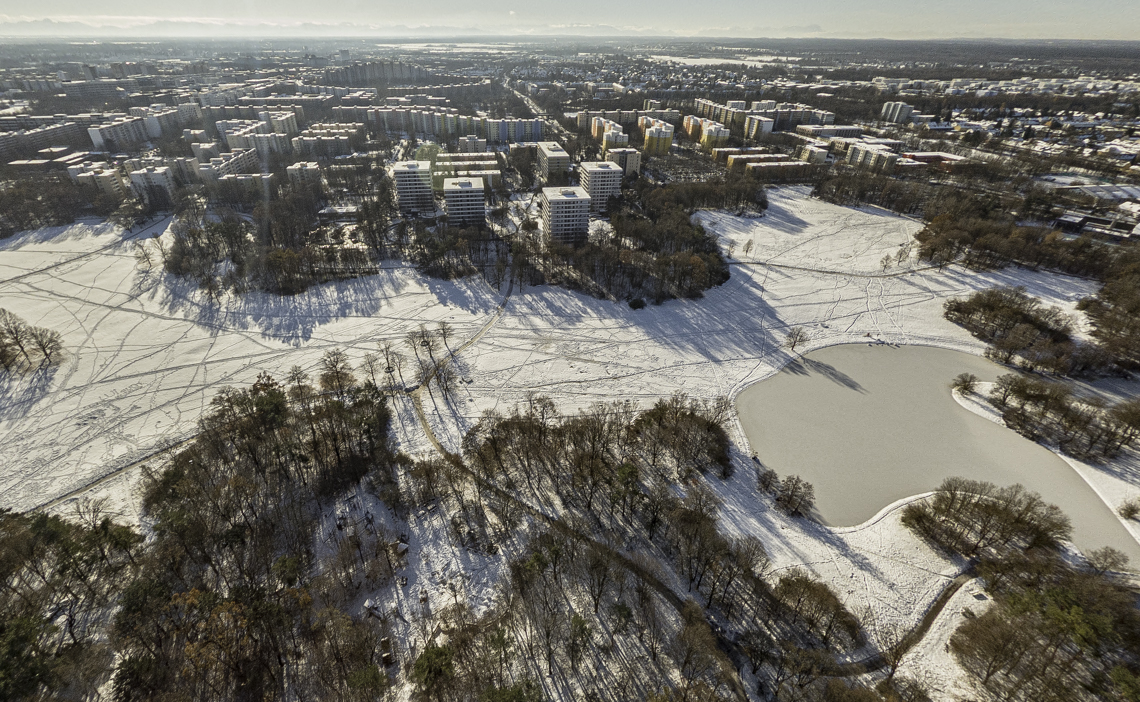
{"points": [[24, 347]]}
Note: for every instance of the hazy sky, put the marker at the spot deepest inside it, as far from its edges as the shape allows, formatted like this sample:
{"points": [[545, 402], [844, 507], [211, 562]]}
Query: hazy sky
{"points": [[899, 19]]}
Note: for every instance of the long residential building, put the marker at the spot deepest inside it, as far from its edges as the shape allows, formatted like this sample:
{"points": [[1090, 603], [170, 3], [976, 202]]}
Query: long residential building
{"points": [[625, 117], [232, 163], [441, 122], [26, 141], [785, 115], [122, 133]]}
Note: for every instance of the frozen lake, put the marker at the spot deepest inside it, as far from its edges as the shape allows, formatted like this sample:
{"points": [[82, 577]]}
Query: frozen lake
{"points": [[871, 424]]}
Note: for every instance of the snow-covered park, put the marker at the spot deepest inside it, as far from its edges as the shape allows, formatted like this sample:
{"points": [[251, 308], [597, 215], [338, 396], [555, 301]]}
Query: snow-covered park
{"points": [[146, 352]]}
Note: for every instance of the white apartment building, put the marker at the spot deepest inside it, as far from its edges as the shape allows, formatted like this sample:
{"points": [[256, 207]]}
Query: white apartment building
{"points": [[471, 144], [464, 198], [204, 151], [756, 126], [614, 140], [99, 177], [238, 161], [413, 186], [184, 168], [602, 180], [565, 214], [897, 112], [260, 181], [154, 185], [159, 119], [119, 134], [284, 122], [303, 172], [552, 158], [323, 144], [628, 159]]}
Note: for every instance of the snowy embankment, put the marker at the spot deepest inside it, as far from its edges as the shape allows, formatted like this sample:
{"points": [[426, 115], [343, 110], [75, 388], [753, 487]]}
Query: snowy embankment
{"points": [[147, 353]]}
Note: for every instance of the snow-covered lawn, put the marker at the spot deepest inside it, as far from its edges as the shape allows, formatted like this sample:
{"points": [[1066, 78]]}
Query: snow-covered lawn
{"points": [[797, 230], [146, 355]]}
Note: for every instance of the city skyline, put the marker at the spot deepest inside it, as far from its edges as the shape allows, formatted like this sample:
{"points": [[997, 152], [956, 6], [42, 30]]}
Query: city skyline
{"points": [[884, 19]]}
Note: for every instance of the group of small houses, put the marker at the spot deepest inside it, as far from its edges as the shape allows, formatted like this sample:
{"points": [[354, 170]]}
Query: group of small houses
{"points": [[463, 179]]}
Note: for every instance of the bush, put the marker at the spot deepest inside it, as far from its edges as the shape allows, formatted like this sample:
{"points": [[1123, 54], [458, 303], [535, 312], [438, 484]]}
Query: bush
{"points": [[965, 383], [637, 303], [1129, 509]]}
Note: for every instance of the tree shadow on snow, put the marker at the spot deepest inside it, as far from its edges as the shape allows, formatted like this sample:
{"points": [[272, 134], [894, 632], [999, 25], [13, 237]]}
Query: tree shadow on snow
{"points": [[808, 366], [20, 392], [780, 218], [293, 319]]}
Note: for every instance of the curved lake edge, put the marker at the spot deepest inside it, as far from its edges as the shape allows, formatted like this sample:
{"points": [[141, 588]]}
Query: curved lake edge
{"points": [[984, 409], [968, 351]]}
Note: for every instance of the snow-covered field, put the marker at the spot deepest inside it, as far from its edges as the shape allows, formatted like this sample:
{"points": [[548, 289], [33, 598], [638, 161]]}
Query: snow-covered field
{"points": [[147, 353]]}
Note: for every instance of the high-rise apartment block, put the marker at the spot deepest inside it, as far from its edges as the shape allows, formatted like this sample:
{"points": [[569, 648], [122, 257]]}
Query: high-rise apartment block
{"points": [[658, 137], [413, 186], [897, 112], [755, 126], [565, 214], [471, 144], [100, 178], [601, 180], [155, 186], [710, 133], [552, 159], [628, 159], [303, 173], [464, 198]]}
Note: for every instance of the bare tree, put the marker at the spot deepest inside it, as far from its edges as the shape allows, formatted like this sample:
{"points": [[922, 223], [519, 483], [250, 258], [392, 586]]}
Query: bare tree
{"points": [[48, 342], [797, 496], [445, 378], [370, 366], [445, 333], [596, 571], [889, 636], [14, 331], [1107, 559], [795, 337], [336, 372], [144, 255], [767, 479]]}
